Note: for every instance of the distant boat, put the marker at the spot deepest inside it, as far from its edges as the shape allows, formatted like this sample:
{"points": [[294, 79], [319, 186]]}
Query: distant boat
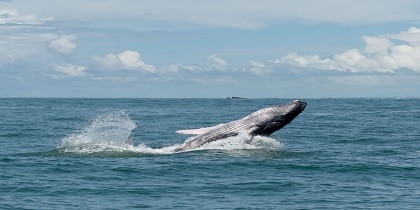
{"points": [[234, 97]]}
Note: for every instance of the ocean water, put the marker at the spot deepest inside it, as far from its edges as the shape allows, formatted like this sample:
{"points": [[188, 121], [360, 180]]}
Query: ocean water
{"points": [[338, 154]]}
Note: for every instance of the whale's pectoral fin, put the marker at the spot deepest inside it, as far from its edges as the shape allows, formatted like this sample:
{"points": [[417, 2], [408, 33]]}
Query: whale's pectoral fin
{"points": [[199, 131], [249, 140], [251, 134], [130, 139]]}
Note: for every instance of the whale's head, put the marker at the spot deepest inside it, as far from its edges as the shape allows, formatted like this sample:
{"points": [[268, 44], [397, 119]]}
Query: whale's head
{"points": [[275, 118], [296, 106]]}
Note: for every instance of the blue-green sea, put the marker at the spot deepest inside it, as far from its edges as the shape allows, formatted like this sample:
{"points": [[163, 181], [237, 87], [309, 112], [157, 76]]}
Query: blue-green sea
{"points": [[356, 153]]}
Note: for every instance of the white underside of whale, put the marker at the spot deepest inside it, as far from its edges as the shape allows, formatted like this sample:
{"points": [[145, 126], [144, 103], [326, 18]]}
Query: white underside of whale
{"points": [[199, 131]]}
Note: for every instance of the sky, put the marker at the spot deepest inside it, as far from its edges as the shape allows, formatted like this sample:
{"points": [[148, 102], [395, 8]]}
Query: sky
{"points": [[209, 49]]}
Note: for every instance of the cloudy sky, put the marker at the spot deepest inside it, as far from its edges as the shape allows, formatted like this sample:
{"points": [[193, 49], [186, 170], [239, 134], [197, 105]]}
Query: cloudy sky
{"points": [[194, 48]]}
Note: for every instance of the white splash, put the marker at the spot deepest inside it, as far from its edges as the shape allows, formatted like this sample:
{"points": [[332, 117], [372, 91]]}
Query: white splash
{"points": [[241, 142], [109, 129]]}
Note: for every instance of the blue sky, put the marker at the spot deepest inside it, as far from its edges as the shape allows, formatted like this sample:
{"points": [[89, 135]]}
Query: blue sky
{"points": [[181, 48]]}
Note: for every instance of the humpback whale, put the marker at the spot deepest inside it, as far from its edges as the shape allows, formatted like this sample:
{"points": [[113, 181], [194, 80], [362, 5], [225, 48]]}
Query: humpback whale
{"points": [[263, 122]]}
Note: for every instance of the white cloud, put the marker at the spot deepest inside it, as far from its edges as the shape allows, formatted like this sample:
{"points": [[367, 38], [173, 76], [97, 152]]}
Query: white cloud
{"points": [[377, 45], [110, 61], [219, 63], [64, 44], [256, 64], [124, 60], [131, 60], [257, 68], [380, 54], [311, 61], [352, 60], [175, 68], [12, 16], [68, 70], [412, 36]]}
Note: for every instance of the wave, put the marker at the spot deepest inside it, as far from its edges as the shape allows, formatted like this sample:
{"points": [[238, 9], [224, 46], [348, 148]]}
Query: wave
{"points": [[111, 133]]}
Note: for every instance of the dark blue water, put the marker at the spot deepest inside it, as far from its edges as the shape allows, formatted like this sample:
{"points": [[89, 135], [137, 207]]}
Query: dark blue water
{"points": [[338, 154]]}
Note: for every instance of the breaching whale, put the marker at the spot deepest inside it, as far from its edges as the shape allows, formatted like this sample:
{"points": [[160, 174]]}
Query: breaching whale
{"points": [[263, 122]]}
